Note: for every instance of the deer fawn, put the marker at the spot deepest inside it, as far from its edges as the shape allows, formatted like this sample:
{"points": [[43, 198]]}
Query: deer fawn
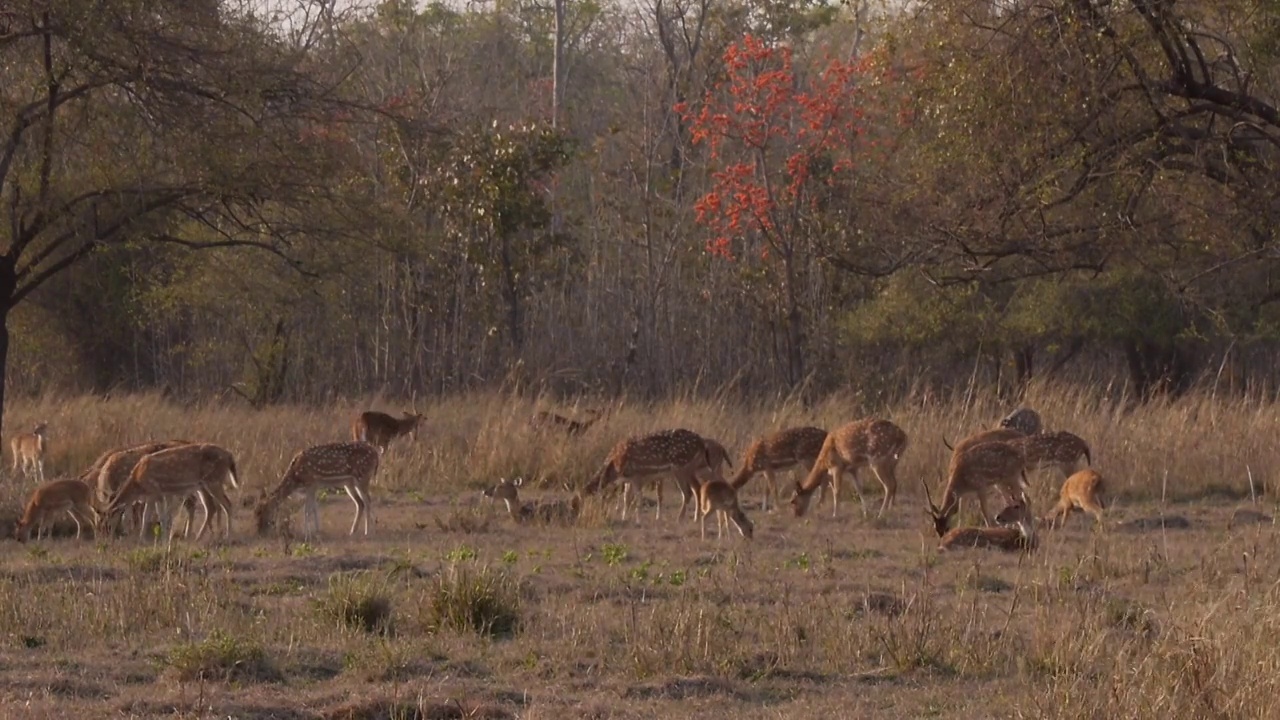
{"points": [[1083, 490], [719, 497], [380, 429], [350, 466], [52, 499], [553, 511], [29, 450], [981, 467], [870, 442], [779, 452], [680, 452], [1020, 537], [543, 421], [178, 472]]}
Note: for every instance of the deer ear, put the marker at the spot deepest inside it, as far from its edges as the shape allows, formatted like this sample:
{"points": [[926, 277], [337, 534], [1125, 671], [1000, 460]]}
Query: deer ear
{"points": [[518, 481]]}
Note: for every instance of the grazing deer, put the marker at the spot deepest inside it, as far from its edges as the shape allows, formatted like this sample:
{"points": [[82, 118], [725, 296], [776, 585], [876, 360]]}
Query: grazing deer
{"points": [[976, 470], [982, 436], [543, 511], [29, 451], [779, 452], [176, 473], [113, 468], [680, 452], [719, 496], [1083, 490], [350, 466], [878, 444], [1019, 538], [544, 421], [1024, 420], [52, 499], [380, 429], [1060, 450]]}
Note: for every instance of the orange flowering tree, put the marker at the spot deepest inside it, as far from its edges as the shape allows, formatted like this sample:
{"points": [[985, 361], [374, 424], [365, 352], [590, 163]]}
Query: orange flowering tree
{"points": [[780, 144]]}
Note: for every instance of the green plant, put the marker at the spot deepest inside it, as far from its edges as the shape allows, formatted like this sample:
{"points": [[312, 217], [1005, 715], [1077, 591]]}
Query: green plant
{"points": [[482, 600], [222, 657], [358, 602], [614, 553]]}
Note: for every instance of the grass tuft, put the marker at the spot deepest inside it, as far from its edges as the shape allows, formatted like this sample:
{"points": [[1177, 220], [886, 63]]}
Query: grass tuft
{"points": [[222, 657], [480, 600], [358, 602]]}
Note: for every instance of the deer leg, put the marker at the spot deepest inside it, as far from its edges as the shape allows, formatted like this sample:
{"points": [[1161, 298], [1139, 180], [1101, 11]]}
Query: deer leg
{"points": [[657, 513], [890, 483], [354, 494], [770, 488], [982, 505], [857, 488]]}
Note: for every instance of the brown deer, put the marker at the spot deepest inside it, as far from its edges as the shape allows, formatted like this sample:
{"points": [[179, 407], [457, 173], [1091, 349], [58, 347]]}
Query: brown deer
{"points": [[647, 458], [781, 451], [350, 466], [110, 471], [543, 511], [1084, 490], [981, 467], [871, 442], [719, 497], [1060, 450], [982, 436], [52, 499], [1021, 537], [380, 429], [199, 469], [29, 450]]}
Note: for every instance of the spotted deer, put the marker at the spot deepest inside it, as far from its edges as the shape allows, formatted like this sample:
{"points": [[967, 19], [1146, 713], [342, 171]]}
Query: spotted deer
{"points": [[982, 436], [978, 469], [350, 466], [1058, 450], [51, 500], [637, 460], [380, 429], [721, 498], [1084, 490], [871, 442], [781, 451], [1019, 537], [1024, 420], [175, 473], [29, 450], [110, 471]]}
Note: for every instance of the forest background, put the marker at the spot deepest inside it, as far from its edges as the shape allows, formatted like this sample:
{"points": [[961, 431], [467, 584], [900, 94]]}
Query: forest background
{"points": [[312, 200]]}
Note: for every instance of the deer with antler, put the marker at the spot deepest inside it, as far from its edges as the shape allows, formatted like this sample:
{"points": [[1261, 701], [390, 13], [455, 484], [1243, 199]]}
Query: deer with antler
{"points": [[978, 469], [873, 443], [1019, 535]]}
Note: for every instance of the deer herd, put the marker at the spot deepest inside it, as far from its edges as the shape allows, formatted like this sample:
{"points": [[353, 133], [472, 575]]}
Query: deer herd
{"points": [[165, 478]]}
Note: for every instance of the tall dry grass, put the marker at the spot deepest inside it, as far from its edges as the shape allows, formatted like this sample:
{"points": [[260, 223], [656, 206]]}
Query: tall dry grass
{"points": [[819, 616]]}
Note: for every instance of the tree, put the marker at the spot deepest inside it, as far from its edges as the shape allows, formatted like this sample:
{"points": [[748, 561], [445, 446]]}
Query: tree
{"points": [[146, 123], [777, 141]]}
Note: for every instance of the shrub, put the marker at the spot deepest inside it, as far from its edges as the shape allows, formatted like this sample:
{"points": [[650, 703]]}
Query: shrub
{"points": [[358, 602]]}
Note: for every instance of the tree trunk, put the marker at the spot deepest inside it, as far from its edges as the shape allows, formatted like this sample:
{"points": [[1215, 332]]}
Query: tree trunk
{"points": [[795, 327], [511, 295], [1024, 365], [8, 284]]}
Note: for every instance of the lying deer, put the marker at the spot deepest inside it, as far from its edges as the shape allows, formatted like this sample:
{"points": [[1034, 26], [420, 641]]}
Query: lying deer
{"points": [[1021, 537]]}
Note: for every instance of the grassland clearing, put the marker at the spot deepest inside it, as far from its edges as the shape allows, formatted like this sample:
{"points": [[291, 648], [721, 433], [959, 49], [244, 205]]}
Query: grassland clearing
{"points": [[451, 609]]}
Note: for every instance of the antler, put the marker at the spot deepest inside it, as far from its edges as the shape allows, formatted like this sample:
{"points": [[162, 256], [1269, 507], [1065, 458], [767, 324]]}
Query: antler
{"points": [[929, 498]]}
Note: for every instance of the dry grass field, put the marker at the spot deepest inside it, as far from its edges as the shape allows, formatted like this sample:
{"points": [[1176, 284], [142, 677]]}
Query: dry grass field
{"points": [[450, 609]]}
